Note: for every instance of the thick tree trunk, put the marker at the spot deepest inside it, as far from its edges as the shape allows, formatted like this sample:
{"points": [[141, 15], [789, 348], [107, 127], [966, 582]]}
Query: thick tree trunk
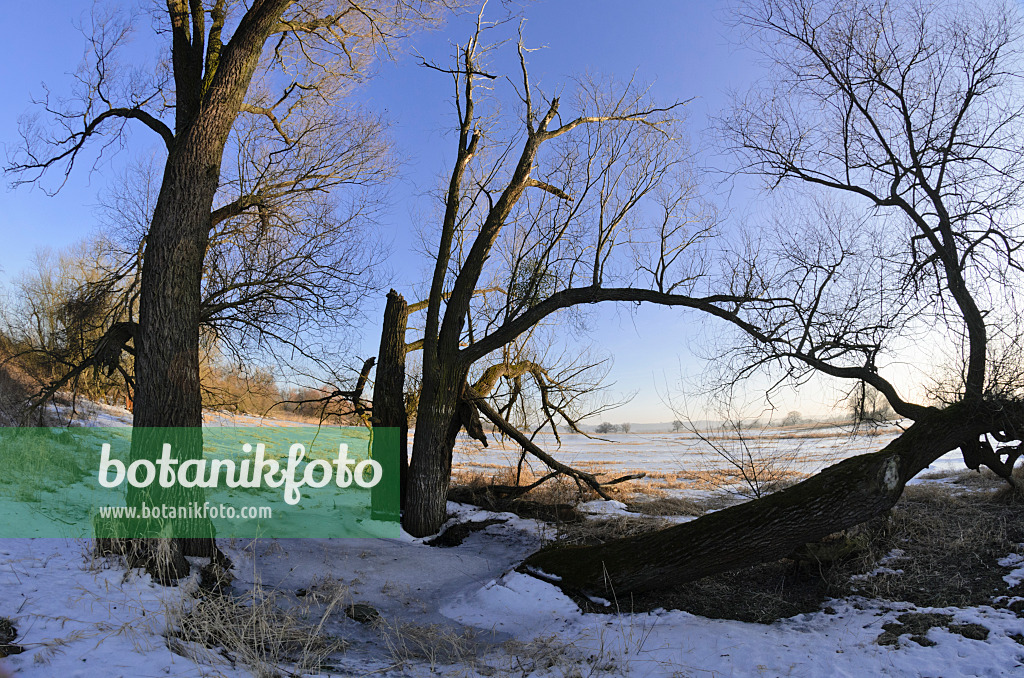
{"points": [[430, 470], [167, 359], [843, 495], [167, 339], [389, 387]]}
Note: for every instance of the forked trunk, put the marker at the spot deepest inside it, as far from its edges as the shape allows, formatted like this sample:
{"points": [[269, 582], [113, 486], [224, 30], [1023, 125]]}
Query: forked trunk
{"points": [[841, 496]]}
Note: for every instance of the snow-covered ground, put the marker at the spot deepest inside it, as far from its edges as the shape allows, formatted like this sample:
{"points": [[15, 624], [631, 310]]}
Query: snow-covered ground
{"points": [[80, 617], [462, 611]]}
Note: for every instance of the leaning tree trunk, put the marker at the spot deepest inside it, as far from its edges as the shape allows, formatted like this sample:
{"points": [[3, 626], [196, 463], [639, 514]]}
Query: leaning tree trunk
{"points": [[846, 494], [389, 387]]}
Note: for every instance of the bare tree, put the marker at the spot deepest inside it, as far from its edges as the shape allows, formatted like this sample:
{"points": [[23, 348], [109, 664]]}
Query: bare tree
{"points": [[793, 418], [59, 316], [911, 114], [276, 64], [284, 281], [555, 217], [867, 405]]}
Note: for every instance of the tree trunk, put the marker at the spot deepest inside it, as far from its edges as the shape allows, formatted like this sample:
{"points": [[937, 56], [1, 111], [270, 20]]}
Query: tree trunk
{"points": [[767, 529], [167, 339], [389, 391], [430, 470]]}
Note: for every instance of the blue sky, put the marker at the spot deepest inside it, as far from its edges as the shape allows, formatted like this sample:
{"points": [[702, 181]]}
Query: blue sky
{"points": [[682, 48]]}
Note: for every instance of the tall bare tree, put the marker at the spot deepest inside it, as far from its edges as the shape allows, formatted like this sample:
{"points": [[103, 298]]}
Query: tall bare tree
{"points": [[277, 64], [284, 280], [570, 211], [909, 115]]}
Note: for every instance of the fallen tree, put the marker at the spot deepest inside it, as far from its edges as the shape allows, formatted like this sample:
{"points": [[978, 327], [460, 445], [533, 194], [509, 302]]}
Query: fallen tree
{"points": [[843, 495], [912, 113]]}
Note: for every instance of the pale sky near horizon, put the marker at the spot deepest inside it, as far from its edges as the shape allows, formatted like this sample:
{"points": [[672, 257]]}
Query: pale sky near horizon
{"points": [[682, 48]]}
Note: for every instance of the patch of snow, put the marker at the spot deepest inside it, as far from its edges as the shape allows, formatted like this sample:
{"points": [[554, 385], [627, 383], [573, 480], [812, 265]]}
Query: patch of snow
{"points": [[883, 566], [874, 573], [1016, 576], [605, 508]]}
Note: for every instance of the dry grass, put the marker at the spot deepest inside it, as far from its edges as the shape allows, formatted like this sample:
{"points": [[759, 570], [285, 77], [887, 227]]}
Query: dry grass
{"points": [[258, 629], [563, 490], [556, 656], [983, 479], [558, 490], [433, 644], [601, 530], [949, 544], [1014, 494], [552, 504], [669, 506]]}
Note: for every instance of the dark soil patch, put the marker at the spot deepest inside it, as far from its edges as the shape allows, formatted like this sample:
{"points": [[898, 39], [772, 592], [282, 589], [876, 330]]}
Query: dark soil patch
{"points": [[917, 625], [457, 533], [1017, 607], [363, 613], [970, 631], [8, 634], [494, 499]]}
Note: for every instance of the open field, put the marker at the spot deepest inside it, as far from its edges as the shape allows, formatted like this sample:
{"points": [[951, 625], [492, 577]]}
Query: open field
{"points": [[677, 463]]}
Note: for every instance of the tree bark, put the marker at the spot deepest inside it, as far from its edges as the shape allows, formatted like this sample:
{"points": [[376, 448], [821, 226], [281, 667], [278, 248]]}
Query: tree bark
{"points": [[430, 469], [841, 496], [389, 387], [167, 341]]}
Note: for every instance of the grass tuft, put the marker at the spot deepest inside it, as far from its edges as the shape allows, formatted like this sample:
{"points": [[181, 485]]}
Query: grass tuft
{"points": [[259, 630]]}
